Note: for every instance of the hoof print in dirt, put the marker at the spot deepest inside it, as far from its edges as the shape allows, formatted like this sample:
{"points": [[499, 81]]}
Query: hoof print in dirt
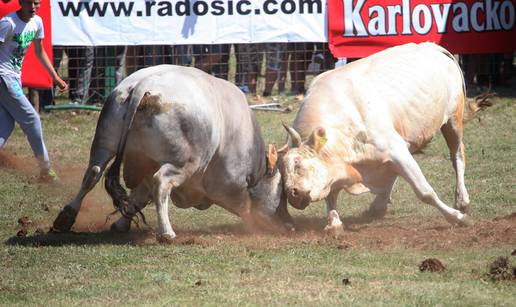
{"points": [[22, 233], [346, 282], [24, 221], [501, 269], [431, 265], [245, 271]]}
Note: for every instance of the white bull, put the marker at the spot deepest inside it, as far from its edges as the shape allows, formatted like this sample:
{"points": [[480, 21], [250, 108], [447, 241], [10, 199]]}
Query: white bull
{"points": [[362, 122]]}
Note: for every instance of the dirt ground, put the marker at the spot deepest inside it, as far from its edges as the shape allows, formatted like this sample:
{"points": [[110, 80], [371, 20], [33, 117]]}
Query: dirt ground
{"points": [[407, 232], [389, 232]]}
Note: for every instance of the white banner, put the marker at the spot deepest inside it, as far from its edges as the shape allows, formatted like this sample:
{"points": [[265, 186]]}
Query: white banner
{"points": [[143, 22]]}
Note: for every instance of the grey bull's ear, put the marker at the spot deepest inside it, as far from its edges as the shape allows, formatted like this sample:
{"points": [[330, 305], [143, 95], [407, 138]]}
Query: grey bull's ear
{"points": [[272, 159], [294, 136], [318, 139]]}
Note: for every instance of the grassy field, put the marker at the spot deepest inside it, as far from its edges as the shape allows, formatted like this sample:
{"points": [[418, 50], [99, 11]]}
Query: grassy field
{"points": [[216, 262]]}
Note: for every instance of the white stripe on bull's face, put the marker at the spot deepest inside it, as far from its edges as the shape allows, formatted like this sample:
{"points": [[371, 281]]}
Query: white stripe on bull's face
{"points": [[307, 178]]}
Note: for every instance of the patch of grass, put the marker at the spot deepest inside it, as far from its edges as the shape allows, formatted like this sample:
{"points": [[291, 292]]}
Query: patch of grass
{"points": [[223, 265]]}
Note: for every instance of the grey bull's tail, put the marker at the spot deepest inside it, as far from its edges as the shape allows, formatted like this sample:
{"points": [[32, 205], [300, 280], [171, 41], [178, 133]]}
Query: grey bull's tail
{"points": [[112, 179]]}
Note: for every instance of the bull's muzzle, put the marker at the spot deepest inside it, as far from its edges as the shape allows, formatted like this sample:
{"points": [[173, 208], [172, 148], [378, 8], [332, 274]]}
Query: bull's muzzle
{"points": [[299, 200]]}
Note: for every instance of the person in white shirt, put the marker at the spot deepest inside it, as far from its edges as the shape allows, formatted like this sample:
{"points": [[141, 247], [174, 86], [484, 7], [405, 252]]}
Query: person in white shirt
{"points": [[17, 31]]}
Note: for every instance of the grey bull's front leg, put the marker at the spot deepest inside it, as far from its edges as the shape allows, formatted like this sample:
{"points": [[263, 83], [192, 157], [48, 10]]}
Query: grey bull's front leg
{"points": [[164, 180]]}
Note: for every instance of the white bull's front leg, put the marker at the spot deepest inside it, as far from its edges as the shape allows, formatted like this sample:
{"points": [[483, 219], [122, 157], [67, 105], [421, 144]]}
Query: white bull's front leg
{"points": [[164, 180], [334, 226]]}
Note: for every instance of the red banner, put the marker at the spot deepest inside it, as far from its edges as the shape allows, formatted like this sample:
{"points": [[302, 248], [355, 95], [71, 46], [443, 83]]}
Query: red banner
{"points": [[358, 28], [33, 73]]}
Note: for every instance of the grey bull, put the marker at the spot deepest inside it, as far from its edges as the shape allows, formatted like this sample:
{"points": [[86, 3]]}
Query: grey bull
{"points": [[185, 136]]}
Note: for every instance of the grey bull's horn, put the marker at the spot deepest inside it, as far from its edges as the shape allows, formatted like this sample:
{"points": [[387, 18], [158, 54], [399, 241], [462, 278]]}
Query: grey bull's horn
{"points": [[294, 136]]}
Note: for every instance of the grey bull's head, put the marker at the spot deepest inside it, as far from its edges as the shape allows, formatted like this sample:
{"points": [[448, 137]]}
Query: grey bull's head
{"points": [[268, 196]]}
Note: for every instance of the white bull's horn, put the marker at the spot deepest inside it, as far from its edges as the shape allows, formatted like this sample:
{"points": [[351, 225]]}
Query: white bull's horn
{"points": [[294, 136]]}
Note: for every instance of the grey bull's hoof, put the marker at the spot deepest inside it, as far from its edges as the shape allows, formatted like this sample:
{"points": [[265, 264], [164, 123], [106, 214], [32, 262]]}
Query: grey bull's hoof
{"points": [[65, 220], [120, 227]]}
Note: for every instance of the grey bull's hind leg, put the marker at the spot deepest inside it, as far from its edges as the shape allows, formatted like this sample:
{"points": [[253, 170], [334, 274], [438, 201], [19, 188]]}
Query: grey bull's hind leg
{"points": [[163, 181], [138, 199], [96, 167], [453, 137], [408, 168]]}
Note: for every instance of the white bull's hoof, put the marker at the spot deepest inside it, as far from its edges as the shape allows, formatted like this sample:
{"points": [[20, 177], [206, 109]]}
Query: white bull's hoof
{"points": [[335, 230], [165, 238], [466, 221], [464, 208]]}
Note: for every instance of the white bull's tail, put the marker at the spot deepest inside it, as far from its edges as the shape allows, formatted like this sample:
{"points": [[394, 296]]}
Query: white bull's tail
{"points": [[472, 105], [112, 179]]}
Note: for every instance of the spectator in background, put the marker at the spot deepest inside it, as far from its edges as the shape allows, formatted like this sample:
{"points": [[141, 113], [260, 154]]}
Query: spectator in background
{"points": [[213, 59], [109, 71], [296, 59], [273, 58], [250, 57], [17, 31], [80, 66]]}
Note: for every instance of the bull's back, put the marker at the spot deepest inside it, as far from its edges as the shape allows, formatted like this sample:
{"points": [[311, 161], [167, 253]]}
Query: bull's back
{"points": [[199, 121], [411, 89]]}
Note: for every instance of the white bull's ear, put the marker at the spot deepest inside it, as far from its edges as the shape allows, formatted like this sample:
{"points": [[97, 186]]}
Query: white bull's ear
{"points": [[295, 138], [317, 139], [272, 159]]}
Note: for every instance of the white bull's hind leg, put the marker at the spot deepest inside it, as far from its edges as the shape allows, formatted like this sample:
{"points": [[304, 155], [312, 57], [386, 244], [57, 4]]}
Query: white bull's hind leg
{"points": [[453, 137], [93, 173], [164, 180], [334, 225], [408, 168], [138, 199]]}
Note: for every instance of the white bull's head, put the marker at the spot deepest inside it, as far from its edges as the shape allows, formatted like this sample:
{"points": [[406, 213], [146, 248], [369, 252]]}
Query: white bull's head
{"points": [[307, 176]]}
